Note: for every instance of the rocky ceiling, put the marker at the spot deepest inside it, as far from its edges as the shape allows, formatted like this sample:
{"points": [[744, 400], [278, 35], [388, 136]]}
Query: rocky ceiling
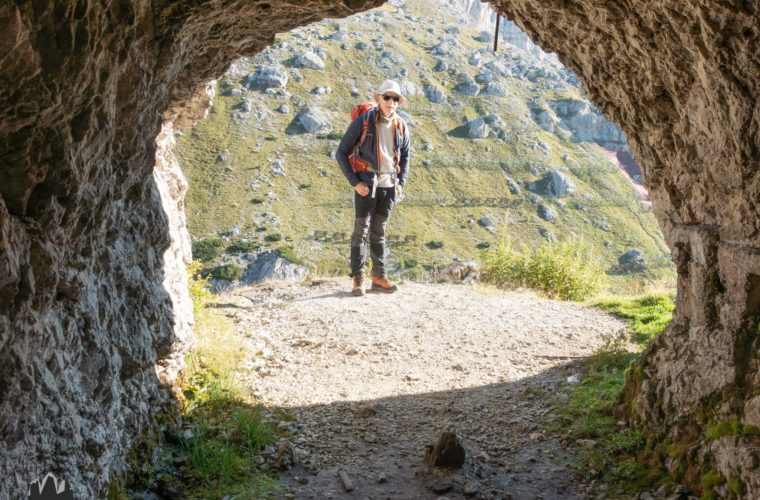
{"points": [[84, 314]]}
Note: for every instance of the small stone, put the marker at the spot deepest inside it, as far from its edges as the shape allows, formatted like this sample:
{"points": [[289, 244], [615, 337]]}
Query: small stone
{"points": [[381, 478], [443, 486], [586, 443], [535, 437], [470, 489], [574, 379], [345, 481]]}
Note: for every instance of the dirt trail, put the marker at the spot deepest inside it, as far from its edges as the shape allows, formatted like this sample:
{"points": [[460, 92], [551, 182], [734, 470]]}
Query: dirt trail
{"points": [[372, 380]]}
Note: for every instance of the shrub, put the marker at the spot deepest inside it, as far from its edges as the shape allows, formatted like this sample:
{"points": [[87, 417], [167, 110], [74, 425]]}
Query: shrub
{"points": [[562, 270], [227, 272], [434, 244], [242, 247], [198, 287], [273, 237], [206, 250], [287, 253]]}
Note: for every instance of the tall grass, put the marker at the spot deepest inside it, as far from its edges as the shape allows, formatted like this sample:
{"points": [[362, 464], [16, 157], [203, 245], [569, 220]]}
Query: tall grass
{"points": [[565, 270], [223, 431]]}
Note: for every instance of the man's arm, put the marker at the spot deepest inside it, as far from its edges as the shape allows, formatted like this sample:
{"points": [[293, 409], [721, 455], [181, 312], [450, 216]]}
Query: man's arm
{"points": [[350, 138], [403, 160]]}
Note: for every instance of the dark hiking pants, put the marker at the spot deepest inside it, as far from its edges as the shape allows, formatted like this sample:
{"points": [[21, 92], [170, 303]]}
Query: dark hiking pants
{"points": [[371, 218]]}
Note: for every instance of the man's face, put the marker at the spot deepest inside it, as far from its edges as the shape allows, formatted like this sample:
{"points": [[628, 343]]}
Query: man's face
{"points": [[390, 105]]}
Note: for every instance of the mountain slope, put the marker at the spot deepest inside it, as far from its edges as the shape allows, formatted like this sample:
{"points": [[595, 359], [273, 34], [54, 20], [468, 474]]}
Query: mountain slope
{"points": [[483, 167]]}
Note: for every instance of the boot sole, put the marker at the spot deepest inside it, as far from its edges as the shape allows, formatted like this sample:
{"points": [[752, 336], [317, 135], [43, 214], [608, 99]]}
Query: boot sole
{"points": [[383, 290]]}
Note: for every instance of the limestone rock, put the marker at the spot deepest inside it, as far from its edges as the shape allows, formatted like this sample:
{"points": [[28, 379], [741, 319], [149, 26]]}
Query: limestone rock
{"points": [[309, 60], [435, 94], [554, 184], [314, 121], [267, 77], [477, 129]]}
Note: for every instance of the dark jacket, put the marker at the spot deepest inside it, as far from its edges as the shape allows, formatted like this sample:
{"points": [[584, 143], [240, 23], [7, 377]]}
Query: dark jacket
{"points": [[369, 148]]}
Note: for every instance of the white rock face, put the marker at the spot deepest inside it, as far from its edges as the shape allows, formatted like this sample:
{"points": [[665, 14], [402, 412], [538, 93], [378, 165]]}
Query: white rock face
{"points": [[172, 188]]}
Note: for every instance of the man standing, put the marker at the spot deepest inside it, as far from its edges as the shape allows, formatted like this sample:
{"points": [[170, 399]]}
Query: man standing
{"points": [[377, 170]]}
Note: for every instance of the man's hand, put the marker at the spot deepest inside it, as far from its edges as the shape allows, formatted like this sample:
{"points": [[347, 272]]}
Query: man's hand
{"points": [[399, 192], [362, 189]]}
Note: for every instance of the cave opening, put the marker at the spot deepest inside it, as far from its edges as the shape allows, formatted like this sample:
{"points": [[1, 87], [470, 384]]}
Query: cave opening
{"points": [[82, 231]]}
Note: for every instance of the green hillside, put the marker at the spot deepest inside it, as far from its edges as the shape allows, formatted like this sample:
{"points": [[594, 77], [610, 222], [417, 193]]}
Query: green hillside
{"points": [[454, 181]]}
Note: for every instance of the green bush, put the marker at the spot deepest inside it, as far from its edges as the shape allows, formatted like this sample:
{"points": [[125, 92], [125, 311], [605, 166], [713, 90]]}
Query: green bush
{"points": [[434, 244], [563, 270], [273, 237], [227, 272], [206, 250], [242, 247], [287, 253], [198, 287]]}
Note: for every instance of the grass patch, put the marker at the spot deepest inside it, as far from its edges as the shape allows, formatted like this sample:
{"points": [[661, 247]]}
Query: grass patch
{"points": [[733, 427], [621, 455], [647, 316], [563, 270], [288, 253], [223, 431]]}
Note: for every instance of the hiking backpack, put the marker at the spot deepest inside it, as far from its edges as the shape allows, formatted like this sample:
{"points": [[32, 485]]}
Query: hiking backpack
{"points": [[357, 164]]}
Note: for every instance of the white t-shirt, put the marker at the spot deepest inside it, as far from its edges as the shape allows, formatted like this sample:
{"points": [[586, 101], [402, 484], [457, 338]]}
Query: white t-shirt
{"points": [[386, 171]]}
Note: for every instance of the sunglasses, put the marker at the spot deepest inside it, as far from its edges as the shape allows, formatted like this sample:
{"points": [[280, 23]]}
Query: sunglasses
{"points": [[387, 97]]}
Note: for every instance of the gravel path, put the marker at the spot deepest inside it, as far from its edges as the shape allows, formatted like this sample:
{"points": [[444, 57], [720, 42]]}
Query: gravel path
{"points": [[372, 380]]}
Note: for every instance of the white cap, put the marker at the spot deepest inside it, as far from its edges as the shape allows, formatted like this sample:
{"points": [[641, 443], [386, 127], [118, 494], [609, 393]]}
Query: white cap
{"points": [[390, 87]]}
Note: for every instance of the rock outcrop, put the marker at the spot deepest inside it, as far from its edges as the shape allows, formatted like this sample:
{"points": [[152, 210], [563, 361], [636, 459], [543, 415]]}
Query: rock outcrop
{"points": [[84, 313]]}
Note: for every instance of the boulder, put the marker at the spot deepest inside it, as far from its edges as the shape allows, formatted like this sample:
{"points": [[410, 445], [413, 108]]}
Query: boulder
{"points": [[268, 77], [495, 89], [309, 60], [468, 87], [269, 265], [441, 65], [554, 184], [545, 119], [314, 121], [435, 94], [485, 222], [498, 68], [484, 77], [546, 213], [477, 129], [632, 258], [484, 36]]}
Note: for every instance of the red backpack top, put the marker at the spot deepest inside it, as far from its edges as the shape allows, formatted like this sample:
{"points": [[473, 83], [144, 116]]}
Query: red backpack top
{"points": [[357, 164]]}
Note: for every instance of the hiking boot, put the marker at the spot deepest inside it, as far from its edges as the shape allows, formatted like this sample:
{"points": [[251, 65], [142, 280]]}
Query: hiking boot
{"points": [[358, 289], [382, 285]]}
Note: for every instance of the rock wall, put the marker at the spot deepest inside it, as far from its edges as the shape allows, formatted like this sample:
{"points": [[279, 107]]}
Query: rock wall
{"points": [[84, 312], [682, 81]]}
